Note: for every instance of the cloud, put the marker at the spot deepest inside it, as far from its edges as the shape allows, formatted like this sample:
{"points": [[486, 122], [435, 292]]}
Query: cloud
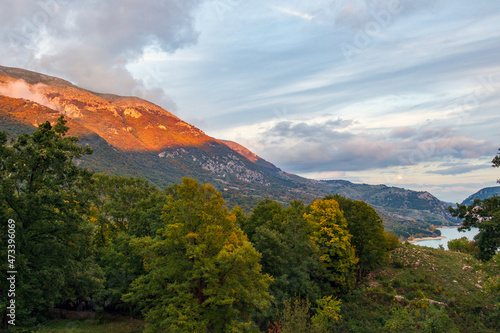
{"points": [[91, 42], [458, 169], [402, 133], [311, 133], [321, 147], [21, 89], [295, 13], [359, 15]]}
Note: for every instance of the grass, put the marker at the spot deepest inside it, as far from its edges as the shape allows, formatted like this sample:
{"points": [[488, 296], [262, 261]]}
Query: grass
{"points": [[422, 288], [92, 324]]}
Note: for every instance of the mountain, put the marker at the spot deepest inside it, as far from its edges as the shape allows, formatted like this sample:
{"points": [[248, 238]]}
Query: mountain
{"points": [[399, 202], [484, 193], [131, 136], [250, 156]]}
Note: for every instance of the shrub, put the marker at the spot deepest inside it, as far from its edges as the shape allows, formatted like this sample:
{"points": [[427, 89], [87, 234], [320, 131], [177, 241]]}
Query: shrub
{"points": [[463, 245], [392, 241]]}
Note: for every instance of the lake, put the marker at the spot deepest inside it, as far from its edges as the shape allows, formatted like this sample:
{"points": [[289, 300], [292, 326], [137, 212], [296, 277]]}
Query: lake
{"points": [[450, 233]]}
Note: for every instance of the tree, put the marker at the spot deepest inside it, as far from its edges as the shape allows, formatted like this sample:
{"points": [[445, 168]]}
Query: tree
{"points": [[122, 210], [485, 215], [392, 241], [462, 245], [120, 204], [203, 275], [496, 163], [282, 236], [44, 192], [331, 236], [327, 313], [368, 236], [295, 317]]}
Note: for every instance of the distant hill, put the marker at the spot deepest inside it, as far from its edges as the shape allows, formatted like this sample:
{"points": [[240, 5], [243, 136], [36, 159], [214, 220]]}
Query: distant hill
{"points": [[131, 136], [405, 212], [484, 193]]}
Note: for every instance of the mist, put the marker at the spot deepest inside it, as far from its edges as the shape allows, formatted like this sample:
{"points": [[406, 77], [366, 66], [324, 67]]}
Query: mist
{"points": [[21, 89]]}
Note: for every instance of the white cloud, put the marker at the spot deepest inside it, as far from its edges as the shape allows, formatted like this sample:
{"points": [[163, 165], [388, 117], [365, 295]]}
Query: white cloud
{"points": [[20, 89], [295, 13], [91, 43]]}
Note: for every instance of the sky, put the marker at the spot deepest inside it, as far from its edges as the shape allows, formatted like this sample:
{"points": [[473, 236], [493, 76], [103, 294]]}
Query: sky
{"points": [[398, 92]]}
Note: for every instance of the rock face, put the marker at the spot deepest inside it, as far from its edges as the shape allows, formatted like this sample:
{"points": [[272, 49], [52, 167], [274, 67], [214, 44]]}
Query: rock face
{"points": [[251, 156]]}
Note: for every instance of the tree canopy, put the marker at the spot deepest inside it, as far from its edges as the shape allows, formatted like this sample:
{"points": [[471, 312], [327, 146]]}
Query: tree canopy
{"points": [[496, 163], [203, 275], [282, 236], [368, 235], [331, 236], [45, 193]]}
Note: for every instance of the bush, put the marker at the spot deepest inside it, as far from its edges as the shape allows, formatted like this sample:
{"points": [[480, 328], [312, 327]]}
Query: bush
{"points": [[463, 245], [392, 241]]}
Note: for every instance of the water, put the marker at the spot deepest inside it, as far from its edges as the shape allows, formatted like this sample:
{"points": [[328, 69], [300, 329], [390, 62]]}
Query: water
{"points": [[449, 233]]}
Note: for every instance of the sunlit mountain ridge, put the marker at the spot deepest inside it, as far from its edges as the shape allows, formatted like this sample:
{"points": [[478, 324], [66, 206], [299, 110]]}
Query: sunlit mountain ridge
{"points": [[131, 136]]}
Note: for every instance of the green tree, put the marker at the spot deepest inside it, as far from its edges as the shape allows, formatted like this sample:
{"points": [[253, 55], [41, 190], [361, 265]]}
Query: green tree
{"points": [[496, 163], [267, 213], [430, 319], [282, 236], [484, 215], [331, 236], [295, 316], [368, 236], [45, 193], [327, 313], [121, 263], [122, 210], [131, 205], [392, 241], [203, 275], [462, 245]]}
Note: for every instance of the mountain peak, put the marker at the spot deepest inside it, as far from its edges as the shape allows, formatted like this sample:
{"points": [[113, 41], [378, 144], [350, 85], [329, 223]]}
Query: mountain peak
{"points": [[31, 77], [126, 123]]}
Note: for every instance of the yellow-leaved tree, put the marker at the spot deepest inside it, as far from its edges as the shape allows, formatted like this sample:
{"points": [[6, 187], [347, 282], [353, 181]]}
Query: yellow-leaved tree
{"points": [[331, 236], [203, 275]]}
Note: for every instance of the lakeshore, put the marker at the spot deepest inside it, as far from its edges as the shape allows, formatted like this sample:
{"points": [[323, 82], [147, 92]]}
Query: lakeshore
{"points": [[425, 239], [447, 234], [419, 239]]}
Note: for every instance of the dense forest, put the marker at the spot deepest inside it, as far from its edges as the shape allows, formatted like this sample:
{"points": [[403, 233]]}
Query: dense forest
{"points": [[179, 260]]}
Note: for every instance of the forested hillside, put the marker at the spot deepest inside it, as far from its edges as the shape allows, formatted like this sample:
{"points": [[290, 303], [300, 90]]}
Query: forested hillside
{"points": [[179, 260]]}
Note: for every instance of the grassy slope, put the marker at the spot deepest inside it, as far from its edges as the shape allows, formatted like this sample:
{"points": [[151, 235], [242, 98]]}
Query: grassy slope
{"points": [[422, 275]]}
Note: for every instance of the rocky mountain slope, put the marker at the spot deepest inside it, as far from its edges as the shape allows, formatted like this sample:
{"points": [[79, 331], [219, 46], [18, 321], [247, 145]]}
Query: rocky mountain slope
{"points": [[484, 193], [131, 136], [399, 202]]}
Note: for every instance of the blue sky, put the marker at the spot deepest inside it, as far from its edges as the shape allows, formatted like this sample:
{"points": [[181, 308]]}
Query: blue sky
{"points": [[402, 92]]}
